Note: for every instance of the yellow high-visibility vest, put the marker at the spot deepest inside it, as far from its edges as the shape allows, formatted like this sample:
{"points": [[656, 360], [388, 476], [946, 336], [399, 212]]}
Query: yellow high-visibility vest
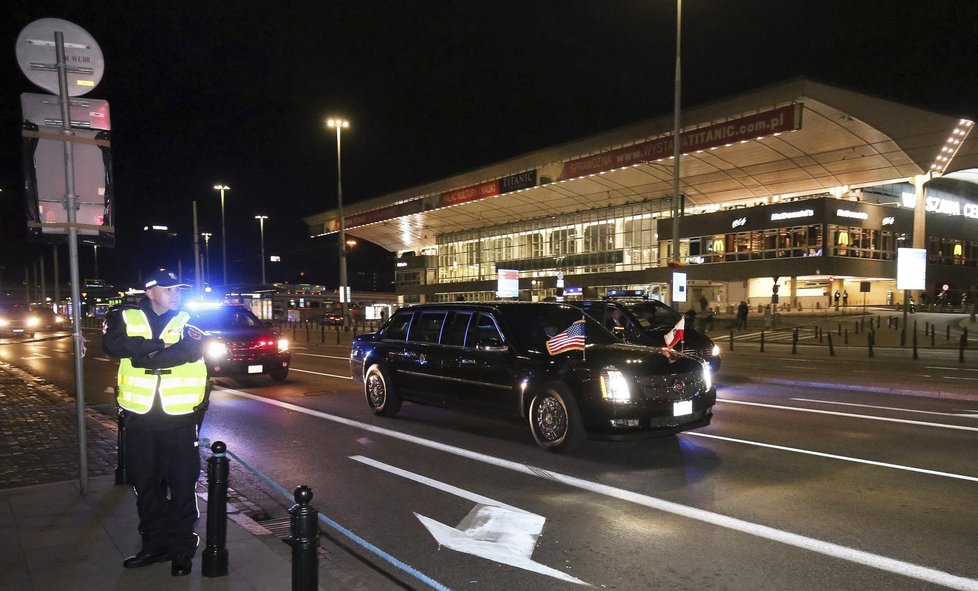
{"points": [[181, 388]]}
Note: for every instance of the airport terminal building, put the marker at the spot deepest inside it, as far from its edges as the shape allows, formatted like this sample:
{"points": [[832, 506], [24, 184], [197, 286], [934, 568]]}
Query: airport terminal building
{"points": [[802, 185]]}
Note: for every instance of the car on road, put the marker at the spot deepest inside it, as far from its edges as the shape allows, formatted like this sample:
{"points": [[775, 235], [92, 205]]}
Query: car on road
{"points": [[21, 320], [237, 343], [647, 321], [332, 318], [546, 363]]}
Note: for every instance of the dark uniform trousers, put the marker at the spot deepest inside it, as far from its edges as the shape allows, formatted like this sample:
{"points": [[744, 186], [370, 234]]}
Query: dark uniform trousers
{"points": [[163, 467]]}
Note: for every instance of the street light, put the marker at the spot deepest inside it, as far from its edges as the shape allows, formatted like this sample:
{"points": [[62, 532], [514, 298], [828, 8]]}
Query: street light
{"points": [[261, 228], [207, 255], [676, 136], [338, 125], [224, 234]]}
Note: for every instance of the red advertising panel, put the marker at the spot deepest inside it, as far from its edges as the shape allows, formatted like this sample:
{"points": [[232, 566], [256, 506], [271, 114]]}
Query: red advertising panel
{"points": [[787, 118], [470, 193]]}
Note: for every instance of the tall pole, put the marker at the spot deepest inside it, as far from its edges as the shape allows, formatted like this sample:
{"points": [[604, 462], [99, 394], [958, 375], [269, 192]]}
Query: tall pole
{"points": [[95, 251], [224, 234], [676, 137], [261, 229], [71, 206], [57, 280], [207, 255], [340, 124]]}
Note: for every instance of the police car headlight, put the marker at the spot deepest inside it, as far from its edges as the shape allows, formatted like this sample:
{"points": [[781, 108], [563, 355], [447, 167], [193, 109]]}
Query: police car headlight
{"points": [[215, 350], [707, 376], [4, 322], [614, 386], [715, 351], [283, 345], [33, 321]]}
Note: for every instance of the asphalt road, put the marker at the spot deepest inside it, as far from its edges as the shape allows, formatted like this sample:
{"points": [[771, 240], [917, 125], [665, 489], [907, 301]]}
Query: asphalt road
{"points": [[794, 486]]}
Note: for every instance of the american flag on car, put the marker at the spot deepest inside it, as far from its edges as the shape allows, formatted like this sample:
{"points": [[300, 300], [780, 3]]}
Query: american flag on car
{"points": [[568, 340]]}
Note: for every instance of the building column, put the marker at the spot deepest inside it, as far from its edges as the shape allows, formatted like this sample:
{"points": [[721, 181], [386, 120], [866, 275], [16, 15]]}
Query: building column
{"points": [[793, 286], [919, 218]]}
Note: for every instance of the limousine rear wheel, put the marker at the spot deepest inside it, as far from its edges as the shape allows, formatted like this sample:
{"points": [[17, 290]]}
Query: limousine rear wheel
{"points": [[381, 397], [555, 420]]}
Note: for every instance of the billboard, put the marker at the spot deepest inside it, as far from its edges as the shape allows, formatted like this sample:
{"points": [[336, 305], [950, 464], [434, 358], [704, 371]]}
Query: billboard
{"points": [[678, 287], [911, 268], [507, 283]]}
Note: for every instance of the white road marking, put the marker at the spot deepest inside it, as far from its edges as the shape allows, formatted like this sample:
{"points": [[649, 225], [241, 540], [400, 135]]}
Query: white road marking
{"points": [[101, 359], [36, 356], [956, 378], [846, 414], [969, 413], [869, 559], [492, 530], [346, 358], [834, 456], [319, 373], [950, 368]]}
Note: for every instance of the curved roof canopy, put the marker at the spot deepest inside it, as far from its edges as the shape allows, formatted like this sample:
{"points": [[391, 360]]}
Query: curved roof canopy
{"points": [[796, 138]]}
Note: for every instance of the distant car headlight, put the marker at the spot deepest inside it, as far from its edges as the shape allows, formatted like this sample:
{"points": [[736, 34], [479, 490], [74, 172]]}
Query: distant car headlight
{"points": [[33, 321], [215, 350], [707, 375], [283, 344], [59, 319], [715, 351], [4, 322], [614, 386]]}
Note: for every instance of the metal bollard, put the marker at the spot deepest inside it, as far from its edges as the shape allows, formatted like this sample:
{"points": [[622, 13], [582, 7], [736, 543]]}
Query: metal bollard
{"points": [[304, 538], [762, 341], [794, 342], [962, 345], [869, 342], [731, 339], [215, 557], [307, 332], [855, 327], [846, 338], [915, 345], [840, 329], [337, 334], [932, 337], [831, 348], [120, 463]]}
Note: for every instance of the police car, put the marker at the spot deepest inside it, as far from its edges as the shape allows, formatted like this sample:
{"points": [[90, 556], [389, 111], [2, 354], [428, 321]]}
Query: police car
{"points": [[239, 344]]}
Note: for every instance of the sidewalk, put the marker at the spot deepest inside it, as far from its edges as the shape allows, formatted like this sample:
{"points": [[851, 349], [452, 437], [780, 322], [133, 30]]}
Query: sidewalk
{"points": [[53, 537]]}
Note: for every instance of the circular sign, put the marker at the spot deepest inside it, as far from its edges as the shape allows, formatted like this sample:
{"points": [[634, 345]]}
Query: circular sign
{"points": [[945, 287], [38, 58]]}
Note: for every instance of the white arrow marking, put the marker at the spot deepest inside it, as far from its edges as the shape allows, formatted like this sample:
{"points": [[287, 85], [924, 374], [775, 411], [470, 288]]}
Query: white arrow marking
{"points": [[492, 530]]}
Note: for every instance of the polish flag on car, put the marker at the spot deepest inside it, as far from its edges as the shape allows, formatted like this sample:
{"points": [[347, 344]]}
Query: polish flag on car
{"points": [[677, 333]]}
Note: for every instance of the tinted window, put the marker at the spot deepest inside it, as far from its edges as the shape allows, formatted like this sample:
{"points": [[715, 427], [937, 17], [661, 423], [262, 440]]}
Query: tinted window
{"points": [[217, 319], [427, 328], [533, 325], [455, 328], [654, 314], [397, 328], [483, 331]]}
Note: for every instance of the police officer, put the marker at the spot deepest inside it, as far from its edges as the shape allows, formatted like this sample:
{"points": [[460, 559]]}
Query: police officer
{"points": [[162, 389]]}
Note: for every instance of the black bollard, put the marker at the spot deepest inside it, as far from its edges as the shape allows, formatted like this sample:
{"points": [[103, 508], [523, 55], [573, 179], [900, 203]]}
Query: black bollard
{"points": [[840, 329], [855, 327], [731, 339], [215, 557], [831, 348], [845, 338], [304, 538], [794, 342], [869, 342], [915, 345], [337, 334], [307, 332], [962, 345], [932, 336], [903, 337], [120, 464], [762, 341]]}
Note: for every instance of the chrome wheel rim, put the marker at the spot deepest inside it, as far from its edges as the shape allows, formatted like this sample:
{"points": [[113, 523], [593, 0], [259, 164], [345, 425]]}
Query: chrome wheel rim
{"points": [[550, 419], [376, 391]]}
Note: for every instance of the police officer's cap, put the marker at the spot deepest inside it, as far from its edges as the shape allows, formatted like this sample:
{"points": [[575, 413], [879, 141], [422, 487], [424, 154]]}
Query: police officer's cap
{"points": [[164, 278]]}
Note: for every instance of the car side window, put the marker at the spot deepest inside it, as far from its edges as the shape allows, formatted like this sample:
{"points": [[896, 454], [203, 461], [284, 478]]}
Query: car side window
{"points": [[397, 328], [455, 328], [427, 328], [484, 332]]}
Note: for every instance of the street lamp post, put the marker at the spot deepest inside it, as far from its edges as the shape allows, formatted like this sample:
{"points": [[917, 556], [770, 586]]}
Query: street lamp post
{"points": [[207, 255], [340, 124], [676, 135], [261, 229], [224, 234]]}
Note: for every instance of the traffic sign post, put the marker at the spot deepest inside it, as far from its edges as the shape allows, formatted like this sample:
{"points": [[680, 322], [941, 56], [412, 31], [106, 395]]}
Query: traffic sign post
{"points": [[64, 59]]}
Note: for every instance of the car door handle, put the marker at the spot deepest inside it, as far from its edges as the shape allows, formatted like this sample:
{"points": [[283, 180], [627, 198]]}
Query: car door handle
{"points": [[466, 361], [407, 355]]}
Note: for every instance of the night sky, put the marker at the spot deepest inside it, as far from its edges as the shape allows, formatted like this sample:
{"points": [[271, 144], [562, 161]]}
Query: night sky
{"points": [[237, 92]]}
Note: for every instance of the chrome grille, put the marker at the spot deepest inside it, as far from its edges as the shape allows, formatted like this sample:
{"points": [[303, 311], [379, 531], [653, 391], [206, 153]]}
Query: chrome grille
{"points": [[671, 387]]}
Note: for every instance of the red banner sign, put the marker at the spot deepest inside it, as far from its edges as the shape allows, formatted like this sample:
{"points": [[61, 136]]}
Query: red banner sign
{"points": [[472, 193], [787, 118]]}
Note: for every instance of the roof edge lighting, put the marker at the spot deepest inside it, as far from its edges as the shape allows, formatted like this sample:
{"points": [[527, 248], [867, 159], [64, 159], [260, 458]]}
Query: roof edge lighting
{"points": [[951, 146]]}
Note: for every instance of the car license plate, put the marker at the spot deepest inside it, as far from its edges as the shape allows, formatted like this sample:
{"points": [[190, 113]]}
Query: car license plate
{"points": [[681, 408], [254, 369]]}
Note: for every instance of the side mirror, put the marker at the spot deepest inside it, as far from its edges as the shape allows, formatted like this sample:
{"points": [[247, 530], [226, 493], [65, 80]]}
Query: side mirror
{"points": [[492, 345]]}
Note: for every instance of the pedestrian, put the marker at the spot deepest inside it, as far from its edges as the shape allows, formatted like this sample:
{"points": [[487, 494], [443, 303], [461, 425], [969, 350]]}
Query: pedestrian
{"points": [[837, 298], [703, 303], [162, 393], [742, 311], [845, 298]]}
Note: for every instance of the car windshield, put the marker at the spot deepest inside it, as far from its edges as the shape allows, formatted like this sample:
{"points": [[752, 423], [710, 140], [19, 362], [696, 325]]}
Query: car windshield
{"points": [[533, 325], [652, 314], [224, 318]]}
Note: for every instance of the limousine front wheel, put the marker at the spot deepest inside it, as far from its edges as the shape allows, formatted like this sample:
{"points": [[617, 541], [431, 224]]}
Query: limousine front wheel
{"points": [[555, 421], [381, 397]]}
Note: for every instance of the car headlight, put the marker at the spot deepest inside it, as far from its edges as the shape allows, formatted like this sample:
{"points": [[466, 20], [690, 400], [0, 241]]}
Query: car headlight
{"points": [[614, 386], [215, 350], [4, 322], [707, 376], [283, 344], [715, 351], [33, 321]]}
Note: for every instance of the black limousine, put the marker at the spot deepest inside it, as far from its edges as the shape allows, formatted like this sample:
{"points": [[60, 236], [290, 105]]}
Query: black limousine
{"points": [[546, 363]]}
